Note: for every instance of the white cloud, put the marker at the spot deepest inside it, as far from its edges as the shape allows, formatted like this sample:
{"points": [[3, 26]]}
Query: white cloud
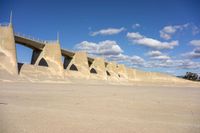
{"points": [[107, 47], [134, 35], [161, 57], [139, 39], [195, 43], [109, 50], [168, 31], [195, 54], [108, 31], [175, 64], [154, 53], [134, 26], [121, 58], [195, 29], [157, 55]]}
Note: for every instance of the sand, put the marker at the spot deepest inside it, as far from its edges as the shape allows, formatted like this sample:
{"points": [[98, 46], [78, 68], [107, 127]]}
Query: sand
{"points": [[103, 108]]}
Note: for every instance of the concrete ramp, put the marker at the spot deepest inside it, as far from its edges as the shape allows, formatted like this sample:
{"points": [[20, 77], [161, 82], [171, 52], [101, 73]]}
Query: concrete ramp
{"points": [[97, 69], [77, 66], [8, 59]]}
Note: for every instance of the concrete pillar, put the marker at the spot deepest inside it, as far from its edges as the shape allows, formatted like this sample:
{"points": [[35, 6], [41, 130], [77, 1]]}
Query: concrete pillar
{"points": [[99, 66], [8, 59], [131, 74], [122, 72], [80, 61], [49, 57], [111, 70]]}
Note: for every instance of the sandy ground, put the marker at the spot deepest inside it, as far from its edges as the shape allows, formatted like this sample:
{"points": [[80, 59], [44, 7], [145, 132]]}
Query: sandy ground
{"points": [[80, 108]]}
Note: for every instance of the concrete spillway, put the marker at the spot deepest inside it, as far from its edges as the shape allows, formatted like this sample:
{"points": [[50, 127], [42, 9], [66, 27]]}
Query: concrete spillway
{"points": [[46, 63]]}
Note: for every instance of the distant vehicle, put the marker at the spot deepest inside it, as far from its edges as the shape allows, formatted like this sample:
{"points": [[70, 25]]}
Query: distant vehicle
{"points": [[192, 76]]}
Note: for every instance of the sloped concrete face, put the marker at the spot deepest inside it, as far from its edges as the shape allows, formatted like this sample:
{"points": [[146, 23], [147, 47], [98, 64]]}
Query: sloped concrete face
{"points": [[141, 76], [8, 59], [131, 74], [122, 72], [80, 62], [49, 60], [99, 66], [111, 69]]}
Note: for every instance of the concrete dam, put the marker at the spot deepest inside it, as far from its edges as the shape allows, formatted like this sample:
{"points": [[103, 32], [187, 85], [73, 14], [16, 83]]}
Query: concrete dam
{"points": [[47, 64]]}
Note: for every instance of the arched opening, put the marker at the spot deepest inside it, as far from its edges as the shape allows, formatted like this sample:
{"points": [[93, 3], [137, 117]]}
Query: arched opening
{"points": [[93, 71], [73, 68], [89, 62], [43, 62], [108, 74], [66, 61]]}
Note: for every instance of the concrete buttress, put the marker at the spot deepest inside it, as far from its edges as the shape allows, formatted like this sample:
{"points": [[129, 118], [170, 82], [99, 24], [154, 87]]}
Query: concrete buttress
{"points": [[8, 58]]}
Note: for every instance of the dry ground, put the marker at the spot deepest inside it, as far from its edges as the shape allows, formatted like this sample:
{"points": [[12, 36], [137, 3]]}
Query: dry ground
{"points": [[80, 108]]}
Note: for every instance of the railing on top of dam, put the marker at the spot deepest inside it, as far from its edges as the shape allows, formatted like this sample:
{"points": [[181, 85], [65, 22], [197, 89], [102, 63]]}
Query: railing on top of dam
{"points": [[34, 39]]}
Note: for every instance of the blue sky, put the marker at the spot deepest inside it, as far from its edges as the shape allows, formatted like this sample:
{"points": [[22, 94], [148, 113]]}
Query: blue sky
{"points": [[151, 35]]}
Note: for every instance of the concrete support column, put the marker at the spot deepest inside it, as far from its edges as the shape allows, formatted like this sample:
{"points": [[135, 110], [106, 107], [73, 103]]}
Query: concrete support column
{"points": [[49, 57], [8, 58], [111, 69], [131, 74], [80, 62], [99, 66], [122, 72]]}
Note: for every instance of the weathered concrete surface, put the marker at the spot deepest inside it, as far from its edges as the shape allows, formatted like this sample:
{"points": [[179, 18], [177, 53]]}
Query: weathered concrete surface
{"points": [[51, 53], [35, 73], [122, 72], [131, 74], [111, 67], [81, 62], [46, 64], [99, 65], [49, 59], [8, 59]]}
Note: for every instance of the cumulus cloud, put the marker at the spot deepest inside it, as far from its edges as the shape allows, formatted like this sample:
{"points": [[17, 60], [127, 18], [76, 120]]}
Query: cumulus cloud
{"points": [[139, 39], [175, 64], [109, 50], [154, 53], [107, 47], [168, 31], [195, 43], [134, 26], [157, 55], [130, 60], [108, 31], [195, 54]]}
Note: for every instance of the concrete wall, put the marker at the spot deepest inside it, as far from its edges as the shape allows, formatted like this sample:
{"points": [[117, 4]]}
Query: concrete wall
{"points": [[99, 65], [8, 59], [81, 62]]}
